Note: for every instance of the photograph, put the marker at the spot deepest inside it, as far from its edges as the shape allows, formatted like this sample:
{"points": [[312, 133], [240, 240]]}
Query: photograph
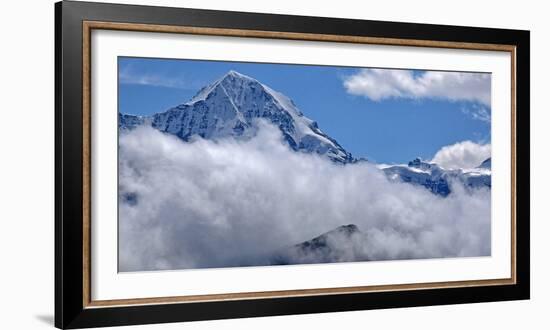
{"points": [[240, 164]]}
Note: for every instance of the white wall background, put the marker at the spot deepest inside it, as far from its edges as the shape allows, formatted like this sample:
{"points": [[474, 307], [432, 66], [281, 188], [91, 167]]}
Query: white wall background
{"points": [[27, 169]]}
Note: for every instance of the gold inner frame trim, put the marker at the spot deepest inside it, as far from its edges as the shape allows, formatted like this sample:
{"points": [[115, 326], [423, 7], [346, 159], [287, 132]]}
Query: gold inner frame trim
{"points": [[88, 26]]}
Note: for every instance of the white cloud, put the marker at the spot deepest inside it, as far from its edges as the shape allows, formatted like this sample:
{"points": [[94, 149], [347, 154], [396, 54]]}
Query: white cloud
{"points": [[478, 112], [380, 84], [129, 76], [465, 154], [227, 203]]}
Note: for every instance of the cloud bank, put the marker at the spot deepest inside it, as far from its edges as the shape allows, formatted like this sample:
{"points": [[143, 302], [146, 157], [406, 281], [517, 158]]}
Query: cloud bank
{"points": [[465, 154], [230, 203], [380, 84]]}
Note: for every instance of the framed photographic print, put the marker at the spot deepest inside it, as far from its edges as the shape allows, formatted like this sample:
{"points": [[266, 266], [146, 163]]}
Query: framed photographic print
{"points": [[218, 164]]}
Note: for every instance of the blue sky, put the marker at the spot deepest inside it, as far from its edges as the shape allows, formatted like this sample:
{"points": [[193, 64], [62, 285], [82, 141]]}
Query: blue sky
{"points": [[387, 116]]}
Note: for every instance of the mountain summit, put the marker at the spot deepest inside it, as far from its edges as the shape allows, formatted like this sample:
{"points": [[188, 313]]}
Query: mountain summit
{"points": [[437, 179], [229, 106], [342, 244]]}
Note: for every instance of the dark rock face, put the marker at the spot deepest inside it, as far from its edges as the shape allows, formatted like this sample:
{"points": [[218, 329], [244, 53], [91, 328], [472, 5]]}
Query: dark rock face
{"points": [[342, 244]]}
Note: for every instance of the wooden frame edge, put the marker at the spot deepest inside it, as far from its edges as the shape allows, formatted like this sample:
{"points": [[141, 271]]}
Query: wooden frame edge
{"points": [[89, 25], [295, 293], [86, 164], [513, 127], [227, 32]]}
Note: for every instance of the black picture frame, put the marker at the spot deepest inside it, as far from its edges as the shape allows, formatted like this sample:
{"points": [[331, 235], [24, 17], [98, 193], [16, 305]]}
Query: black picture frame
{"points": [[70, 300]]}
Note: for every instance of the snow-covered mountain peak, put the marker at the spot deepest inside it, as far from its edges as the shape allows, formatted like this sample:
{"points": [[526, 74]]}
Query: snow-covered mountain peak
{"points": [[438, 179], [230, 106], [240, 88], [230, 81], [237, 75], [233, 79]]}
